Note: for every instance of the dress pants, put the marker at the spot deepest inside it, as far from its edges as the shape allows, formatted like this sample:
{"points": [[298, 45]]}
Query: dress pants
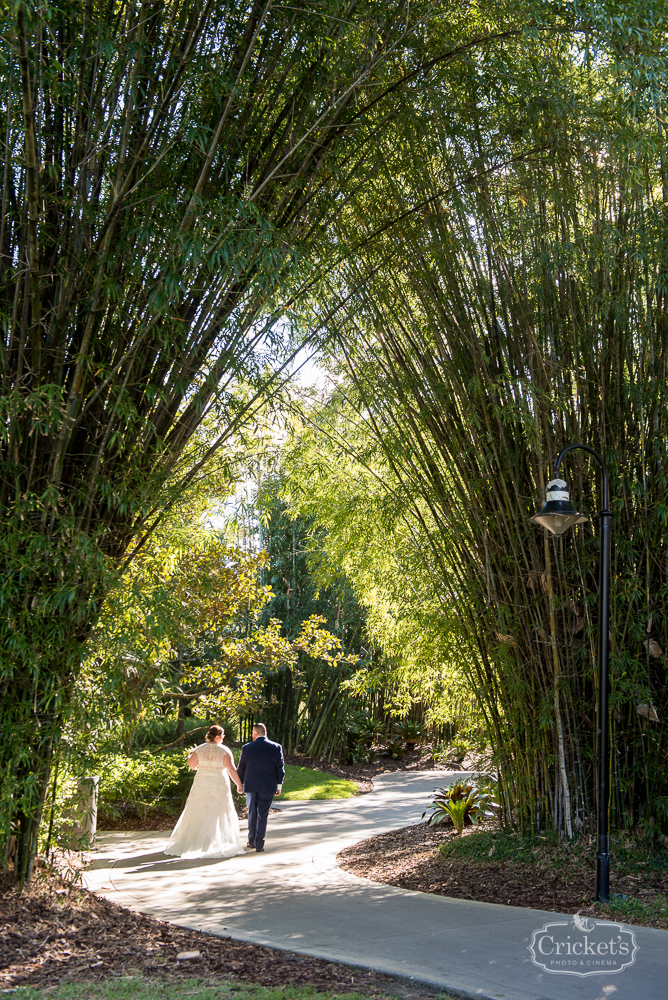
{"points": [[258, 813]]}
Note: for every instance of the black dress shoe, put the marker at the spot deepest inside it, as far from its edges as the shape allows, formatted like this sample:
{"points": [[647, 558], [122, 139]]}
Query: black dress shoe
{"points": [[259, 850]]}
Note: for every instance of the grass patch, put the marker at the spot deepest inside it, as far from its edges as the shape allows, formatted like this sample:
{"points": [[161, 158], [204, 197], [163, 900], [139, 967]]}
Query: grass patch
{"points": [[304, 783], [138, 988], [645, 913], [482, 844]]}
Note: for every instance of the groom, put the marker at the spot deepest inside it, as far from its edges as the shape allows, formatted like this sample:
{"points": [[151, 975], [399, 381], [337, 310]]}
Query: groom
{"points": [[261, 770]]}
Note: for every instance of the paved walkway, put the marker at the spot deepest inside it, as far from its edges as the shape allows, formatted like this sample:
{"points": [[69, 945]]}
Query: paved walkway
{"points": [[294, 896]]}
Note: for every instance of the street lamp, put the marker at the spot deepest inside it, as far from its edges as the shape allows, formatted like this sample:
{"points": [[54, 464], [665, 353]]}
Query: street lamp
{"points": [[558, 515]]}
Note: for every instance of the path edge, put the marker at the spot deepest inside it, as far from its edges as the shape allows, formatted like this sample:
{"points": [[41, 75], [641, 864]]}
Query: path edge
{"points": [[459, 991]]}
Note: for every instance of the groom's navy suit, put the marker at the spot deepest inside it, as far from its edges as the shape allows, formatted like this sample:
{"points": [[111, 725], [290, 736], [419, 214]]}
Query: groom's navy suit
{"points": [[261, 770]]}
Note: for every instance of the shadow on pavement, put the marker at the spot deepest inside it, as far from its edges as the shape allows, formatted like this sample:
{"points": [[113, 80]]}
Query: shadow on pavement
{"points": [[163, 862]]}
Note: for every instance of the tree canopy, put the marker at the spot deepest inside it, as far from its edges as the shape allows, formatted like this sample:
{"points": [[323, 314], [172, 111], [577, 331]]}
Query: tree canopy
{"points": [[462, 206], [169, 169], [522, 309]]}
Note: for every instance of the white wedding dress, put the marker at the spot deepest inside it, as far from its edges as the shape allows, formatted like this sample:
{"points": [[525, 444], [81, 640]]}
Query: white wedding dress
{"points": [[208, 827]]}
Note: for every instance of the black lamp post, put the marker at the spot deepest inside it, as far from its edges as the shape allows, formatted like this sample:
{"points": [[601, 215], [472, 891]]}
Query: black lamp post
{"points": [[558, 515]]}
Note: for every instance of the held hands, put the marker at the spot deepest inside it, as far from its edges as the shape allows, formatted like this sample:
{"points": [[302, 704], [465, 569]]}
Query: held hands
{"points": [[240, 789]]}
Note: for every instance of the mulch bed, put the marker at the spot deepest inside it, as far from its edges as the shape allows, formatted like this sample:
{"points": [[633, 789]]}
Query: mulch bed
{"points": [[51, 934], [409, 858]]}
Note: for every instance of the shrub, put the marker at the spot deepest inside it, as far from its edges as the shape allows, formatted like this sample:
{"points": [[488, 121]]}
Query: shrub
{"points": [[396, 748], [438, 751], [356, 754], [409, 732], [135, 784], [460, 749], [65, 813], [154, 733], [368, 731]]}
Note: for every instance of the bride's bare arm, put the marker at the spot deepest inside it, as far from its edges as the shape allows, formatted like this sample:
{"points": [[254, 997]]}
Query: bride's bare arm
{"points": [[193, 760], [229, 764]]}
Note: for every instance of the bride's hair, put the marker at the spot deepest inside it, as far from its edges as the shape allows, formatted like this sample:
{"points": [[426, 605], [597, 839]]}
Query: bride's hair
{"points": [[213, 732]]}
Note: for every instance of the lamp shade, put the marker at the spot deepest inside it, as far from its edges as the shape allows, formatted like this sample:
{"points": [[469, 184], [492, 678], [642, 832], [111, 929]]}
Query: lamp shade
{"points": [[558, 513]]}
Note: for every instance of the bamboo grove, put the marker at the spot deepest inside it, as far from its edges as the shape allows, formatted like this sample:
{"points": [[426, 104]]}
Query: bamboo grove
{"points": [[523, 305], [465, 202], [162, 203]]}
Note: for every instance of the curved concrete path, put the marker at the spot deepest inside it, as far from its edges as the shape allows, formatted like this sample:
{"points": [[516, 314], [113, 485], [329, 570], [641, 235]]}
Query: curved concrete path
{"points": [[294, 896]]}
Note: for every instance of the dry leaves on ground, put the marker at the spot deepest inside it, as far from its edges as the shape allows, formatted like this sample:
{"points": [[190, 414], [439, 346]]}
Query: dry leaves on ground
{"points": [[51, 934]]}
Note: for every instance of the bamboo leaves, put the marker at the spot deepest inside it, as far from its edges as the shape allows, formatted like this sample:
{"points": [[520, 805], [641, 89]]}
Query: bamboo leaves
{"points": [[168, 170], [526, 313]]}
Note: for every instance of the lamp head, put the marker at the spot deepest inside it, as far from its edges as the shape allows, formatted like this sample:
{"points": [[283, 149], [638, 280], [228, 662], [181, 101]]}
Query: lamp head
{"points": [[558, 513]]}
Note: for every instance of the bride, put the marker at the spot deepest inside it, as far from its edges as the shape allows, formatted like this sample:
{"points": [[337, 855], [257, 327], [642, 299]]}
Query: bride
{"points": [[208, 827]]}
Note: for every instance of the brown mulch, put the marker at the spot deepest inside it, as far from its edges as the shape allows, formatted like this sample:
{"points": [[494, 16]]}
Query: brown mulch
{"points": [[52, 934], [409, 858]]}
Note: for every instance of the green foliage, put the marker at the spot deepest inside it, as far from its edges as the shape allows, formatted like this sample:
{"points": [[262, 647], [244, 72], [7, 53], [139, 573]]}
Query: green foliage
{"points": [[369, 730], [438, 751], [410, 732], [501, 845], [134, 785], [522, 308], [70, 813], [366, 739], [187, 626], [181, 619], [357, 753], [646, 913], [296, 592], [396, 748], [129, 786], [482, 305], [460, 802], [154, 229], [307, 706], [154, 733], [505, 845], [160, 732], [368, 534], [545, 854]]}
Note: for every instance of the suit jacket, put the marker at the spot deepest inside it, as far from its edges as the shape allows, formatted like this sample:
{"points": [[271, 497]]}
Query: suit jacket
{"points": [[261, 767]]}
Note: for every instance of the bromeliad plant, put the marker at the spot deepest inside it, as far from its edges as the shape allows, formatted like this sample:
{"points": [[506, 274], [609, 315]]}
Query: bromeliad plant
{"points": [[459, 803], [396, 748], [370, 731], [409, 732]]}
